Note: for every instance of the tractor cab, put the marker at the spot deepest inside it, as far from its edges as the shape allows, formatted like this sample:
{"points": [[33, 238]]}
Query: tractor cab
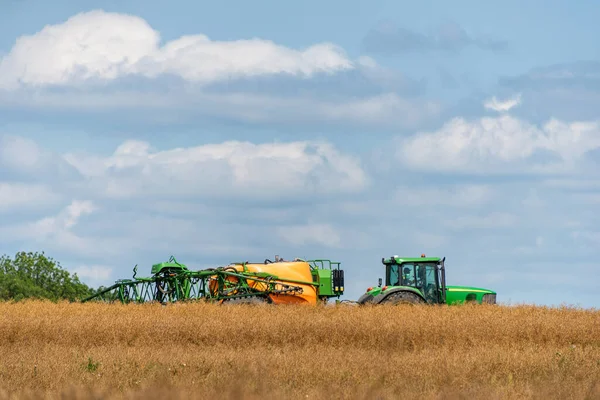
{"points": [[418, 279], [426, 274]]}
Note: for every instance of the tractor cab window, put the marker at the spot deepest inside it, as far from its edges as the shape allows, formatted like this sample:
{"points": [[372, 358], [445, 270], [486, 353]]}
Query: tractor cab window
{"points": [[427, 281], [408, 274], [401, 275], [393, 276]]}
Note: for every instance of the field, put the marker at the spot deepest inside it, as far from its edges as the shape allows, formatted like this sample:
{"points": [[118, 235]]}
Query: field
{"points": [[96, 351]]}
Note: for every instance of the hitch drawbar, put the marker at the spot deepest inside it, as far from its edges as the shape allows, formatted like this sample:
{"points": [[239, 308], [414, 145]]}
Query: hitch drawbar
{"points": [[338, 280]]}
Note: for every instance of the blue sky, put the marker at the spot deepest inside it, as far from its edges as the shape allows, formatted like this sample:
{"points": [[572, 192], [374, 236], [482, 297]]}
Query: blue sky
{"points": [[229, 131]]}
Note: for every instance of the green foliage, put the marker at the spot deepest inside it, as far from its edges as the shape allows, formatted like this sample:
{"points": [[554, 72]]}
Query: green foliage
{"points": [[33, 275], [91, 365]]}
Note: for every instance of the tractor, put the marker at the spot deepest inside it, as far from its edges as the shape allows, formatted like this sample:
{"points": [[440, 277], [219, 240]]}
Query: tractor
{"points": [[421, 280]]}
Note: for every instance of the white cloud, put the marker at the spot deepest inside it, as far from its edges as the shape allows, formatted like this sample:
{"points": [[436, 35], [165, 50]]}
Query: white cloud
{"points": [[64, 221], [367, 62], [503, 143], [25, 157], [19, 195], [502, 105], [270, 170], [99, 45], [55, 231]]}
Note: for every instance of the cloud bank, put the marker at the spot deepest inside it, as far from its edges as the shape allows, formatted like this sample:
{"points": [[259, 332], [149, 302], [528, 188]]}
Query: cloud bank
{"points": [[101, 61], [503, 144], [262, 170], [103, 46]]}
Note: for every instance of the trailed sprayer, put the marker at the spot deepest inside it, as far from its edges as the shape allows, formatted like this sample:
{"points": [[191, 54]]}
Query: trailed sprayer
{"points": [[277, 282]]}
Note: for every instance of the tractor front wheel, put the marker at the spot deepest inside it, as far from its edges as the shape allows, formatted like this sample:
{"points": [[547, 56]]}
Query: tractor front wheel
{"points": [[402, 298], [365, 299]]}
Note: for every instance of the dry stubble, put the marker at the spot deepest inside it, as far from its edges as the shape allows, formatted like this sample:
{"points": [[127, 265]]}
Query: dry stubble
{"points": [[150, 351]]}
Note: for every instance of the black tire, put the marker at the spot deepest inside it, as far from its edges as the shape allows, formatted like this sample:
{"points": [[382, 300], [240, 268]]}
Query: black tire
{"points": [[365, 299], [246, 300], [397, 298]]}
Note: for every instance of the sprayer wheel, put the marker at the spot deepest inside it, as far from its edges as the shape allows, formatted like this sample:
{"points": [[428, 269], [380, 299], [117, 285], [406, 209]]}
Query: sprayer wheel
{"points": [[246, 300]]}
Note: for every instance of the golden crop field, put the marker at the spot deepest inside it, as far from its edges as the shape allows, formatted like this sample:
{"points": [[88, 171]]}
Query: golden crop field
{"points": [[97, 351]]}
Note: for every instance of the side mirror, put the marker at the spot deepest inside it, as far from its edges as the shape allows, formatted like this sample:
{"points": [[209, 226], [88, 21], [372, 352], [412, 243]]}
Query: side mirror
{"points": [[380, 282]]}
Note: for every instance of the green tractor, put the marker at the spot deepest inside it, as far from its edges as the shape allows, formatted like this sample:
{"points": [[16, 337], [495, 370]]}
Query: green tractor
{"points": [[421, 280]]}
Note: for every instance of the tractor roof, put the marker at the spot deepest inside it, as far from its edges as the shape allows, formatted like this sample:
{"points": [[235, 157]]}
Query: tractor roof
{"points": [[400, 260]]}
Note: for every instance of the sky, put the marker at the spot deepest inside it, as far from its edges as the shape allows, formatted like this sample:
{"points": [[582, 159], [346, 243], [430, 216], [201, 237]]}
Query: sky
{"points": [[220, 132]]}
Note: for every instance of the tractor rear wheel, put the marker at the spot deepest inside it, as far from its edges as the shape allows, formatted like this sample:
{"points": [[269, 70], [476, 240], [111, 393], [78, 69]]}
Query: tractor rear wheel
{"points": [[402, 298]]}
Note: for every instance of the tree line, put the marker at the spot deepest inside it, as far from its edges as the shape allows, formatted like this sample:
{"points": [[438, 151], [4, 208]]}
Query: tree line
{"points": [[32, 275]]}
